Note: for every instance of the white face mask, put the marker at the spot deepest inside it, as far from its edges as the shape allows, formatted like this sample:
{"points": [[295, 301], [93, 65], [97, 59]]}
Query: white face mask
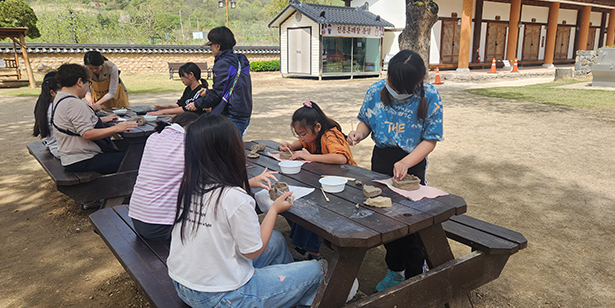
{"points": [[397, 96]]}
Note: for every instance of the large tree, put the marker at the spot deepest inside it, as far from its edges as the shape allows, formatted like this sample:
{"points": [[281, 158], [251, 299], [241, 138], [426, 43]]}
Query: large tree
{"points": [[421, 15], [18, 13]]}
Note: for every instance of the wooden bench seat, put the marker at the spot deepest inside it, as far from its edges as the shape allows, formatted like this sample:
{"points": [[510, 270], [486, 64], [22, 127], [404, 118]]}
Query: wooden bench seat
{"points": [[83, 186], [143, 260], [174, 68]]}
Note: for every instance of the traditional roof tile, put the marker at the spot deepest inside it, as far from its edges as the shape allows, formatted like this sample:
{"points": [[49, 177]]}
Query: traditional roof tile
{"points": [[327, 14]]}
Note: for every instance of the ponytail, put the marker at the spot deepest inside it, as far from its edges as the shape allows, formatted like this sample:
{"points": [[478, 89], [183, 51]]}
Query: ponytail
{"points": [[41, 123], [311, 114]]}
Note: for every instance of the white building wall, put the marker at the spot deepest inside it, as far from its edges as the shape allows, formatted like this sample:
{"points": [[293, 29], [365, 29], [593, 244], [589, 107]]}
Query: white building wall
{"points": [[491, 9], [393, 11], [435, 46], [570, 16], [541, 13], [446, 7], [596, 18], [292, 22]]}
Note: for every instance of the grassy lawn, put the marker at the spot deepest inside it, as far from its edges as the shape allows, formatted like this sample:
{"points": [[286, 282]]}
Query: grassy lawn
{"points": [[135, 83], [545, 93]]}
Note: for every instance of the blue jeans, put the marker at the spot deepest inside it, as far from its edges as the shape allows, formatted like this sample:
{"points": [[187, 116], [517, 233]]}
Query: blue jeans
{"points": [[304, 238], [276, 282], [241, 123]]}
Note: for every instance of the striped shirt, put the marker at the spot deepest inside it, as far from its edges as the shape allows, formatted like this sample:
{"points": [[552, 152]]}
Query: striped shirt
{"points": [[154, 198]]}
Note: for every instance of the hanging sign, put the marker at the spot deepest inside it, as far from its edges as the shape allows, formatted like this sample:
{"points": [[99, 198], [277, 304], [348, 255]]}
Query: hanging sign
{"points": [[351, 31]]}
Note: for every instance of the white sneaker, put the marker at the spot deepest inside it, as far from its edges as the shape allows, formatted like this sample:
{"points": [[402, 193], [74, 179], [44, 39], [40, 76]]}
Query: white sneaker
{"points": [[353, 290]]}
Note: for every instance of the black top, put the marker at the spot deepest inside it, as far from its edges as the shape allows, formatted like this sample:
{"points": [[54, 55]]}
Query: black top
{"points": [[188, 97]]}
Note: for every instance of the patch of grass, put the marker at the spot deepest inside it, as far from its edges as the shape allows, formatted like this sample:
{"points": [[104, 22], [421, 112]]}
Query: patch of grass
{"points": [[546, 93], [135, 83]]}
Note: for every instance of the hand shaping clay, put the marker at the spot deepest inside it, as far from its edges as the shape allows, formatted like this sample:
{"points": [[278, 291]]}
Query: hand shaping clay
{"points": [[410, 182], [277, 189], [379, 202], [371, 191]]}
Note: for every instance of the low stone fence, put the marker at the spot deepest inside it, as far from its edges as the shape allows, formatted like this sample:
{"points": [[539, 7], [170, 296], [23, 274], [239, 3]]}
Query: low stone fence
{"points": [[129, 58], [584, 61]]}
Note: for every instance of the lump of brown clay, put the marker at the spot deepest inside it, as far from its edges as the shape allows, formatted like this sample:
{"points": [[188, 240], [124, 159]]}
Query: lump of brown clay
{"points": [[253, 155], [139, 119], [410, 182], [285, 154], [357, 182], [379, 201], [257, 147], [371, 191], [277, 189]]}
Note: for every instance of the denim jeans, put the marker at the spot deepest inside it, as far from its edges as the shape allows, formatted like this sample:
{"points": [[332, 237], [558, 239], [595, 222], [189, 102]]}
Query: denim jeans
{"points": [[276, 282], [241, 123], [304, 238]]}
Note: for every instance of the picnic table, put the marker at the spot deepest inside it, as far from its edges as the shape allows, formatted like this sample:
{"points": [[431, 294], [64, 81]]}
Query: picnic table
{"points": [[351, 228]]}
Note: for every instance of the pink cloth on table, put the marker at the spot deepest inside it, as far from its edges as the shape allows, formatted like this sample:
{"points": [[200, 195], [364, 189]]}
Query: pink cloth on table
{"points": [[416, 195], [277, 156]]}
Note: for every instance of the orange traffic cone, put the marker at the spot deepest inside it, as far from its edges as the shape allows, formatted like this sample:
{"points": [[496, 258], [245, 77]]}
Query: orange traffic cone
{"points": [[438, 80], [492, 71], [515, 68]]}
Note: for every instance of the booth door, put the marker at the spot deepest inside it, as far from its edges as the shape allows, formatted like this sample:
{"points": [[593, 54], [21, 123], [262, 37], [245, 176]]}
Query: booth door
{"points": [[496, 41], [562, 41], [531, 42], [299, 47], [450, 42], [591, 39]]}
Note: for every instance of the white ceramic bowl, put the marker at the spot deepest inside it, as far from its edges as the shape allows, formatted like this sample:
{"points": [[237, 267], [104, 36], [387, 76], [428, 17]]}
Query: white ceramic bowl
{"points": [[290, 166], [333, 184], [120, 112], [150, 118]]}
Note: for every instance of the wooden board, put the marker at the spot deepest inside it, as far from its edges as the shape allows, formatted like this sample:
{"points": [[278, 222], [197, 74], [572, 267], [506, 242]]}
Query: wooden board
{"points": [[477, 239], [495, 230], [54, 167]]}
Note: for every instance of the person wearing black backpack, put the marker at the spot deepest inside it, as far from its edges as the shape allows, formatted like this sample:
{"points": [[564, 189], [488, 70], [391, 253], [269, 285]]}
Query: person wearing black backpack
{"points": [[231, 94], [83, 140]]}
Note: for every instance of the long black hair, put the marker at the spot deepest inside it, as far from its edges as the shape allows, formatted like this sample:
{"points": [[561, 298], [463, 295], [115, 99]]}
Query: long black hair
{"points": [[41, 123], [190, 67], [405, 74], [215, 160], [308, 116], [183, 119], [94, 57]]}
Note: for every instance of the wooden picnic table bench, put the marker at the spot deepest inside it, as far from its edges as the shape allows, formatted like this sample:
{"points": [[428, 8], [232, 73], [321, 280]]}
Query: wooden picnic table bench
{"points": [[174, 68], [144, 260]]}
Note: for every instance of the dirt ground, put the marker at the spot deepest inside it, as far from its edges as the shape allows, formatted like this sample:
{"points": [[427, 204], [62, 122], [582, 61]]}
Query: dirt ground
{"points": [[545, 171]]}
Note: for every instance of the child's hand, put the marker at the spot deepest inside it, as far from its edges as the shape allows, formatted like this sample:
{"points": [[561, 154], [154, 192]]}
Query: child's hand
{"points": [[285, 146], [203, 92], [263, 180], [400, 169], [301, 155], [283, 203], [156, 113], [191, 107], [354, 137]]}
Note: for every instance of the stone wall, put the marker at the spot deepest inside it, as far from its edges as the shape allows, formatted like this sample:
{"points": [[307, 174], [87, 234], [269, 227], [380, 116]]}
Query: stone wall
{"points": [[128, 58], [584, 61]]}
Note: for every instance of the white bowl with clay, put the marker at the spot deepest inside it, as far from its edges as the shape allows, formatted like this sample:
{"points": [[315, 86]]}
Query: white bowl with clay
{"points": [[333, 184], [120, 112], [290, 166]]}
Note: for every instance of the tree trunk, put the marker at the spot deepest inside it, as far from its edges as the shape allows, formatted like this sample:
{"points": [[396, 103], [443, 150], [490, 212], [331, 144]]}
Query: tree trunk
{"points": [[421, 15]]}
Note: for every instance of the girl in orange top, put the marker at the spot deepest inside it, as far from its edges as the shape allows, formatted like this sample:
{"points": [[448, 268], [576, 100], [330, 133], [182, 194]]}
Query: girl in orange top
{"points": [[325, 142], [320, 135]]}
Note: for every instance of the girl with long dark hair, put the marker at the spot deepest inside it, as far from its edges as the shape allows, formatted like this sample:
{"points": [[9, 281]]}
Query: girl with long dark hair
{"points": [[403, 113], [42, 113], [190, 75], [219, 253]]}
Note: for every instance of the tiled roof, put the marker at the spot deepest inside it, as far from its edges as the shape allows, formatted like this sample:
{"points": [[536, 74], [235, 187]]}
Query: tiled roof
{"points": [[117, 48], [336, 15]]}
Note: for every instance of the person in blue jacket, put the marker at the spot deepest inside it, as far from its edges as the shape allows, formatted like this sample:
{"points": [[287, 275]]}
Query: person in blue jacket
{"points": [[231, 94]]}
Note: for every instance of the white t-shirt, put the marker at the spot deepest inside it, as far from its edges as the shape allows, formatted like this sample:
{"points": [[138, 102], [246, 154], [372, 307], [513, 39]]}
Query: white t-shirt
{"points": [[211, 259]]}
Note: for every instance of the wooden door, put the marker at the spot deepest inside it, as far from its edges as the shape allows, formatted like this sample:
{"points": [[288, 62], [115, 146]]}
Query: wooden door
{"points": [[531, 42], [591, 39], [496, 41], [562, 42], [450, 42], [299, 50]]}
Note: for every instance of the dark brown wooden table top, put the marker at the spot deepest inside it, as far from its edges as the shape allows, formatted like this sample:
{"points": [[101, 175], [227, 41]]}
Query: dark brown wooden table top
{"points": [[340, 221]]}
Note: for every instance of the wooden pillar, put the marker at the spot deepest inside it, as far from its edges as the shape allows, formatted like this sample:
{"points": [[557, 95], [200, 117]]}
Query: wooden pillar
{"points": [[513, 29], [465, 35], [610, 31], [551, 34], [24, 52], [602, 30], [584, 27], [478, 23]]}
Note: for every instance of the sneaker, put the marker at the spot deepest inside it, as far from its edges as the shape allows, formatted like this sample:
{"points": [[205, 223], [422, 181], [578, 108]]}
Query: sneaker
{"points": [[324, 264], [305, 255], [392, 278], [91, 205]]}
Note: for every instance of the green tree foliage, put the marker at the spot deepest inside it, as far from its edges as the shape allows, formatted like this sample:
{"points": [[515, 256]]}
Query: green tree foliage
{"points": [[18, 13]]}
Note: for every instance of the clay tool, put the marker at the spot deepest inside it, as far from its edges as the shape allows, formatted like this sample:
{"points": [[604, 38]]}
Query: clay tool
{"points": [[289, 150], [323, 193]]}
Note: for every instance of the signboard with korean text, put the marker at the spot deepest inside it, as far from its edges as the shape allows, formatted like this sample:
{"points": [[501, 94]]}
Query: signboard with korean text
{"points": [[351, 31]]}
